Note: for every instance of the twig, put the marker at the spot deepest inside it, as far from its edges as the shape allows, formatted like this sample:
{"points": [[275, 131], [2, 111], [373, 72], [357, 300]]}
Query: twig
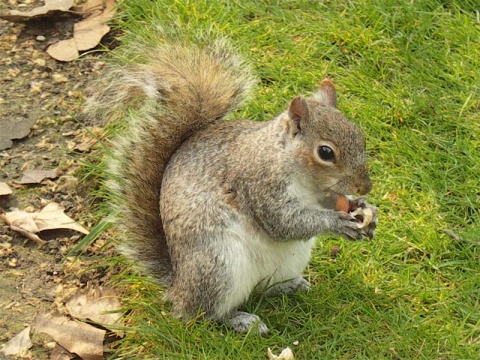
{"points": [[459, 238]]}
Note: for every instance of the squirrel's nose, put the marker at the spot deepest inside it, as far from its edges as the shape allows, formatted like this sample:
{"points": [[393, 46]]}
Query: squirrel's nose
{"points": [[364, 187]]}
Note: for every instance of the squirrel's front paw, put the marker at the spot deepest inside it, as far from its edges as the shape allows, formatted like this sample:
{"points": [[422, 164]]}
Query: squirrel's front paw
{"points": [[348, 226], [356, 211]]}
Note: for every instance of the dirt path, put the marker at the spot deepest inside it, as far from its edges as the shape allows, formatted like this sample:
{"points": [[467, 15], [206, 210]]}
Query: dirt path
{"points": [[34, 86]]}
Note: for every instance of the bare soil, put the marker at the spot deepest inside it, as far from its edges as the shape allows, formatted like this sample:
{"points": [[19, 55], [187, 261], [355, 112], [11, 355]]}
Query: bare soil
{"points": [[35, 86]]}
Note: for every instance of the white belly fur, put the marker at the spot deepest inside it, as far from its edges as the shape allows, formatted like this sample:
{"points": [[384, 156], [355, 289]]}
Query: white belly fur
{"points": [[253, 258]]}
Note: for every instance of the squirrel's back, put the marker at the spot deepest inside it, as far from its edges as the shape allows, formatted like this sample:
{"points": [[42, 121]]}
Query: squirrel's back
{"points": [[178, 90]]}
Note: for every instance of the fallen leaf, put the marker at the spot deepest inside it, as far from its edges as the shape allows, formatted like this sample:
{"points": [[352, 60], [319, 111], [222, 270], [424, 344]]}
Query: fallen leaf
{"points": [[89, 6], [82, 339], [6, 249], [37, 176], [87, 138], [86, 145], [22, 220], [14, 130], [92, 303], [87, 33], [18, 343], [5, 189], [27, 234], [51, 217], [65, 50], [50, 8], [286, 354], [13, 72], [60, 353]]}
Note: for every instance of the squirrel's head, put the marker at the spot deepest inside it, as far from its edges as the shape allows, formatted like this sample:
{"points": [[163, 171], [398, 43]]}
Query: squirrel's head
{"points": [[329, 148]]}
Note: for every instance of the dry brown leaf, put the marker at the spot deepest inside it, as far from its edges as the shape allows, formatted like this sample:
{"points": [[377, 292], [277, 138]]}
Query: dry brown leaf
{"points": [[50, 7], [89, 32], [60, 353], [13, 72], [109, 10], [87, 138], [86, 33], [5, 189], [92, 303], [89, 6], [37, 176], [18, 343], [51, 217], [82, 339], [65, 50], [14, 130], [86, 145], [27, 234], [22, 220]]}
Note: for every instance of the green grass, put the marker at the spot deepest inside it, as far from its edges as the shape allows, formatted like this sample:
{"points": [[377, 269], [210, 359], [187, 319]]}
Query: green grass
{"points": [[408, 72]]}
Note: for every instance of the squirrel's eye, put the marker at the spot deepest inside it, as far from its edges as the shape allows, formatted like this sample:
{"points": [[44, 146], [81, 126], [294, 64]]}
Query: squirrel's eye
{"points": [[326, 153]]}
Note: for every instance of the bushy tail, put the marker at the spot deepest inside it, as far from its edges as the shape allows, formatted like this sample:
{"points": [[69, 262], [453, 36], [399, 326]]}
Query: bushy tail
{"points": [[178, 90]]}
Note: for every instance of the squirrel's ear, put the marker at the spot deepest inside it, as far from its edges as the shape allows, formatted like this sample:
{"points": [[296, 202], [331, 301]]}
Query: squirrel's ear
{"points": [[298, 114], [329, 95]]}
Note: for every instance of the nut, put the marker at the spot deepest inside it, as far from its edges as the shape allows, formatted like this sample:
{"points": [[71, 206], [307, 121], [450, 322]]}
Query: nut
{"points": [[342, 204], [356, 208]]}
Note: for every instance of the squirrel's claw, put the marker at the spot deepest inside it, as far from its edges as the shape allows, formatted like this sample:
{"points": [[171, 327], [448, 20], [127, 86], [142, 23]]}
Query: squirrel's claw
{"points": [[370, 229], [351, 229], [346, 216]]}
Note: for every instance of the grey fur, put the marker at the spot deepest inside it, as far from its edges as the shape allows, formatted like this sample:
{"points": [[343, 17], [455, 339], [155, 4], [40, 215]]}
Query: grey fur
{"points": [[201, 200]]}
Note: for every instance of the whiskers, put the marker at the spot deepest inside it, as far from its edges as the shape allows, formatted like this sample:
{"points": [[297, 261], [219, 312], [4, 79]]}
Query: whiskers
{"points": [[340, 188]]}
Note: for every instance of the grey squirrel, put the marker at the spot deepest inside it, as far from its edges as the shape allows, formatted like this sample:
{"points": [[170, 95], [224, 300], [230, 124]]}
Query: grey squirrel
{"points": [[214, 208]]}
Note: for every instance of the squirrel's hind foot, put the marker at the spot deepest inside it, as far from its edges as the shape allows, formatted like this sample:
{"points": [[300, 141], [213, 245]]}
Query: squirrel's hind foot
{"points": [[287, 287], [242, 322]]}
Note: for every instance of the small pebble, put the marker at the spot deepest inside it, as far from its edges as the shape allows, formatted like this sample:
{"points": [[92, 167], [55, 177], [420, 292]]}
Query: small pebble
{"points": [[335, 251], [41, 38], [53, 244]]}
